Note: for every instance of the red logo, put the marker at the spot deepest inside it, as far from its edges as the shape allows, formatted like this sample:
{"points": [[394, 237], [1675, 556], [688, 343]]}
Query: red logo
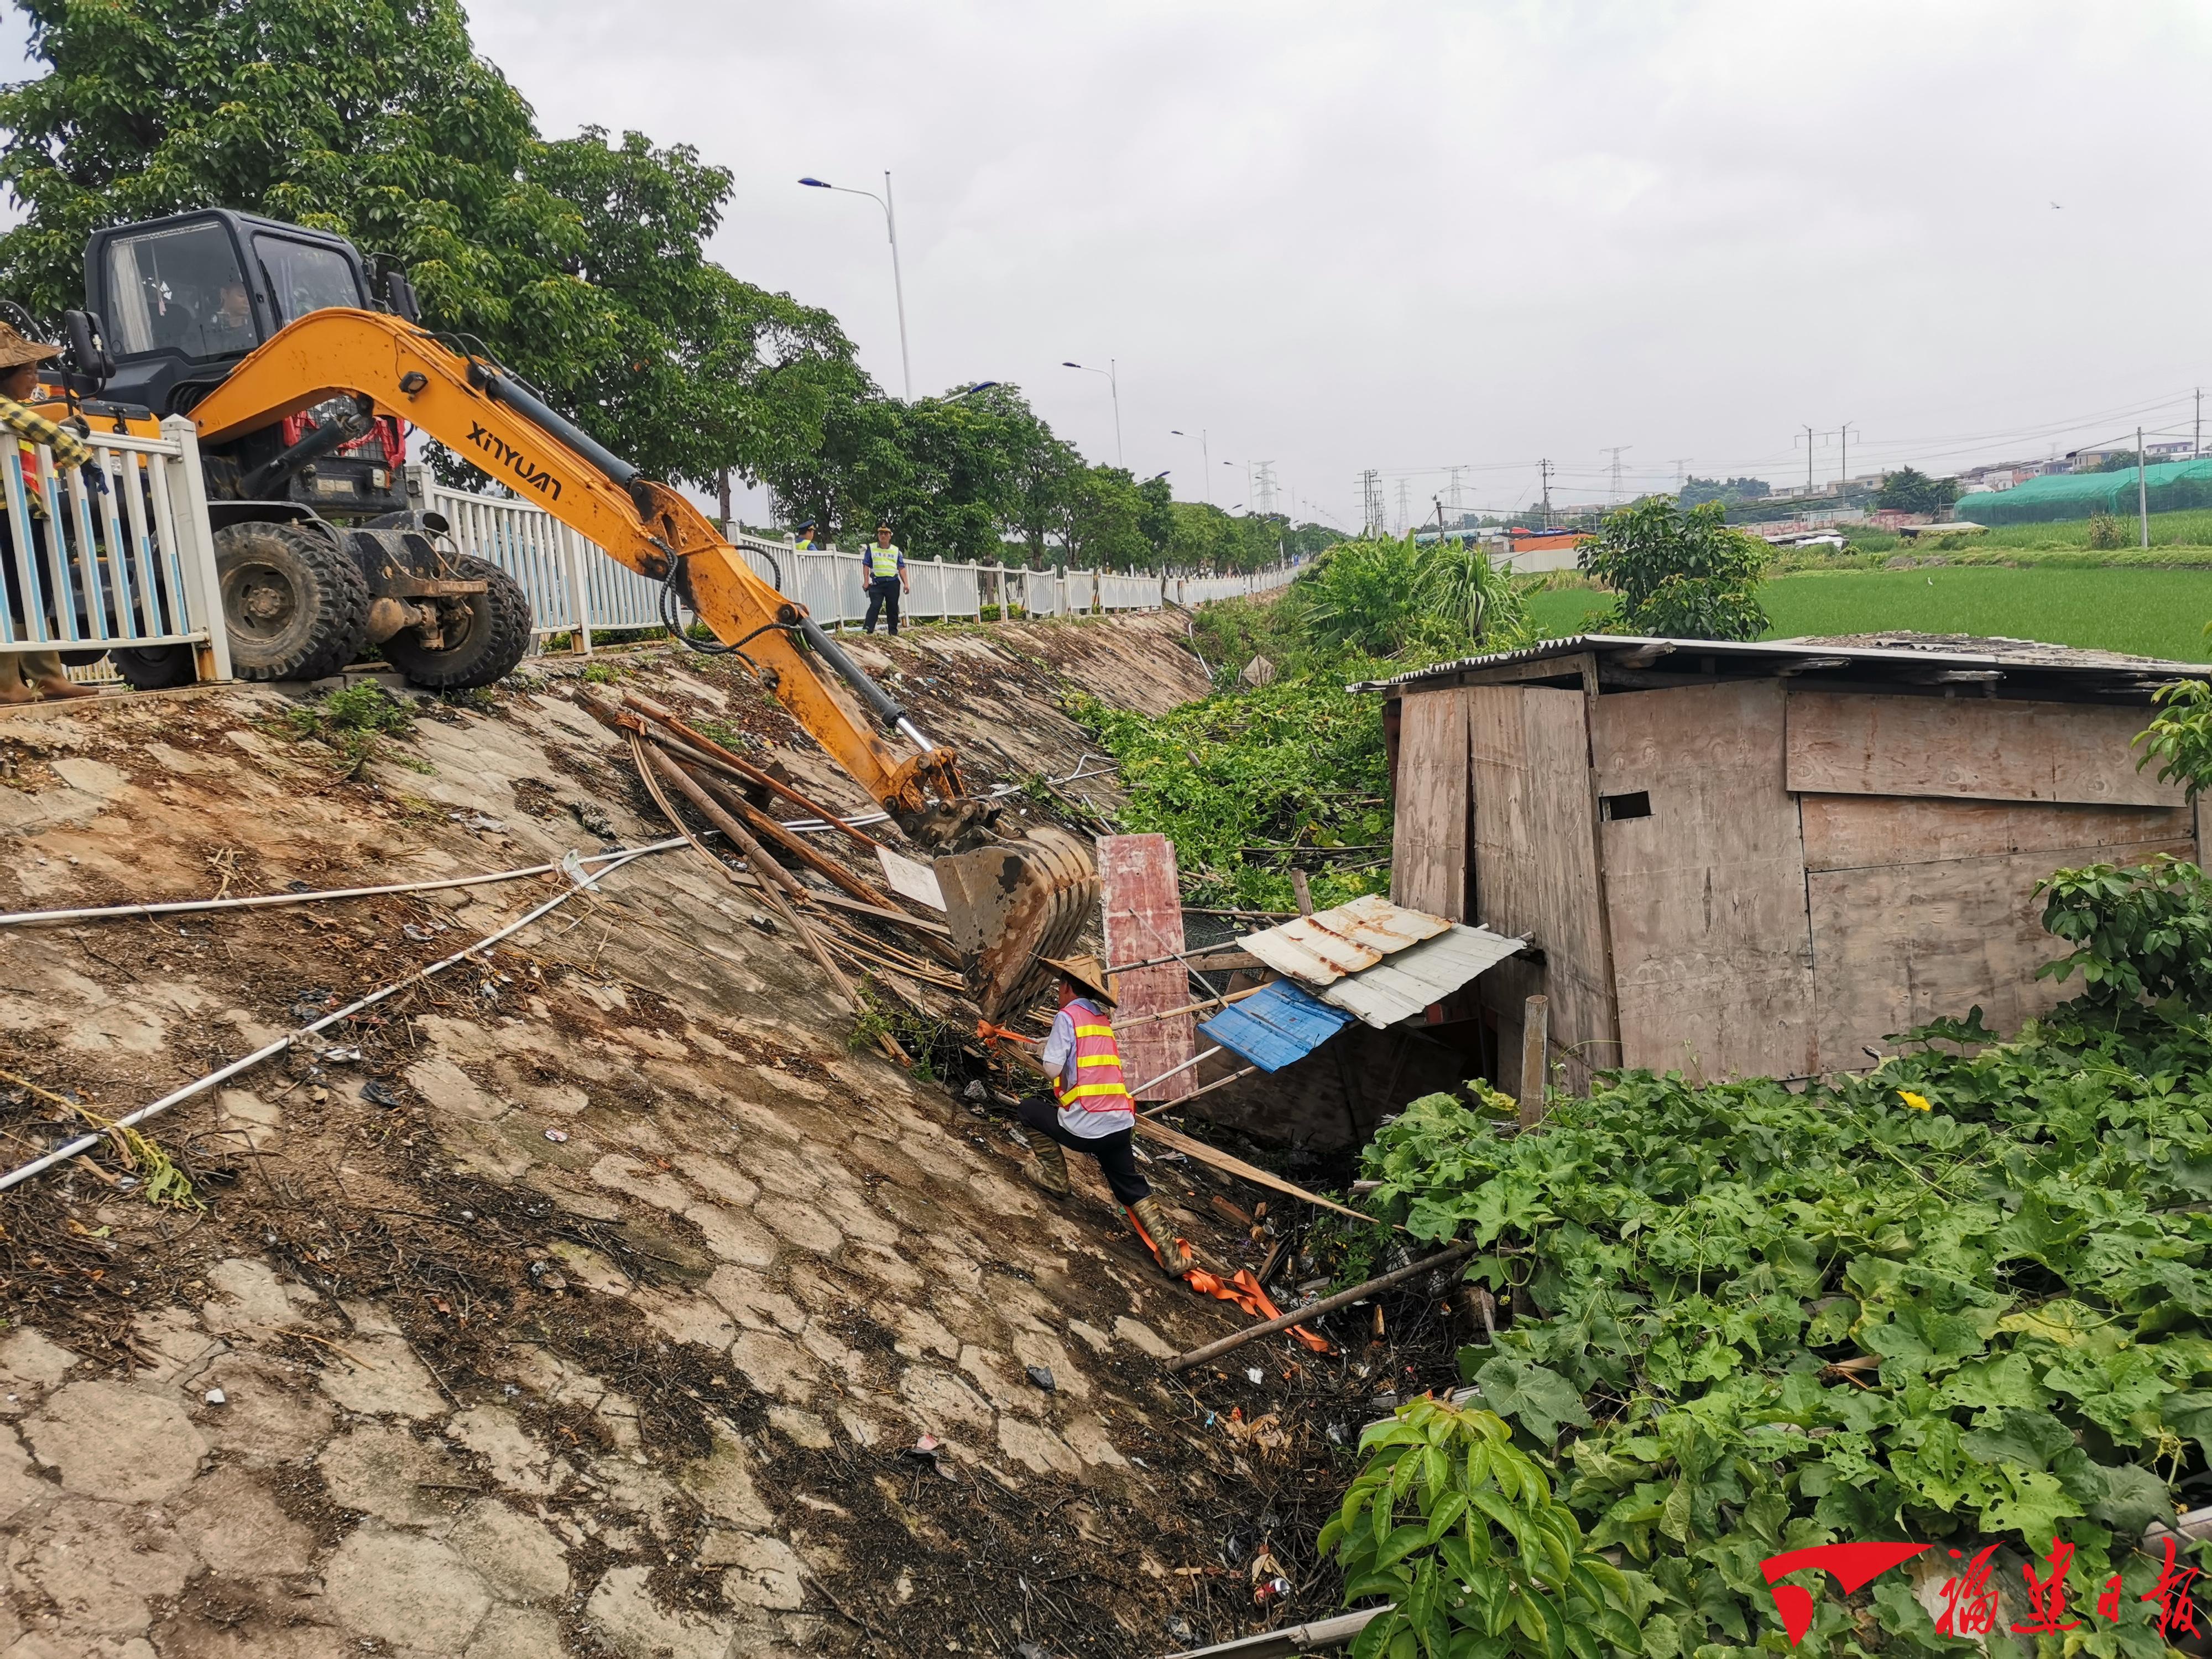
{"points": [[1854, 1565], [1970, 1599]]}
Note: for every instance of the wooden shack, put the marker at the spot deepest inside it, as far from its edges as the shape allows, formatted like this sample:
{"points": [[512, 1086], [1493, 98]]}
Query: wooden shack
{"points": [[1747, 860]]}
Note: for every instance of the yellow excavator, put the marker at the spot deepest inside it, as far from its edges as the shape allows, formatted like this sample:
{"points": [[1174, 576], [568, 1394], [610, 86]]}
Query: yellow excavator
{"points": [[298, 364]]}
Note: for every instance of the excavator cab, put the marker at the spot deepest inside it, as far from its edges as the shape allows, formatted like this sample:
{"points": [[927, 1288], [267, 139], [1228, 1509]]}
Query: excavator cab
{"points": [[318, 550]]}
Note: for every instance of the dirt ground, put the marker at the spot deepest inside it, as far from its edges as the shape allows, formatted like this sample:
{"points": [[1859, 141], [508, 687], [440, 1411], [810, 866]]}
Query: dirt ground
{"points": [[591, 1298]]}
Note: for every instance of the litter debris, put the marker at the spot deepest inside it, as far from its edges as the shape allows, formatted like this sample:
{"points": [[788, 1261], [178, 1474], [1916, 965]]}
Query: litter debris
{"points": [[478, 821], [340, 1056], [1042, 1375], [1254, 1374], [557, 1135], [928, 1451], [543, 1275], [216, 1397], [377, 1092]]}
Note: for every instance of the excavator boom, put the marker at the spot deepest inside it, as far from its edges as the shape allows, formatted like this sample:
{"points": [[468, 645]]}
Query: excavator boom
{"points": [[483, 413], [1012, 904]]}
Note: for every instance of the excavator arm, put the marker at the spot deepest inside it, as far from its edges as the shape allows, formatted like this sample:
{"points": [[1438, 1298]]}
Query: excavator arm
{"points": [[479, 410]]}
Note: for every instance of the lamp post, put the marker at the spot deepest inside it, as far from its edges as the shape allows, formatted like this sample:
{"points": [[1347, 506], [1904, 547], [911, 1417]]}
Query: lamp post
{"points": [[1112, 372], [898, 284], [969, 391], [1205, 477]]}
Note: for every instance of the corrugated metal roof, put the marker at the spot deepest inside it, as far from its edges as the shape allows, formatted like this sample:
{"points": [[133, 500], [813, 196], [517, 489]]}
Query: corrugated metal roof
{"points": [[1409, 981], [1903, 654], [1323, 948], [1277, 1024]]}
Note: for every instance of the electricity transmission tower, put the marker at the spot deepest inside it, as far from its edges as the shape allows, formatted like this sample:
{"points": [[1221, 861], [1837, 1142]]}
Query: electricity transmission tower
{"points": [[1615, 451], [1405, 508], [1371, 500], [1453, 503], [1263, 488], [1681, 461], [1545, 468]]}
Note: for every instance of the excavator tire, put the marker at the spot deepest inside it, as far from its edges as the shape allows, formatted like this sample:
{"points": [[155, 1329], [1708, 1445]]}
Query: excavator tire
{"points": [[295, 604], [154, 667], [498, 634]]}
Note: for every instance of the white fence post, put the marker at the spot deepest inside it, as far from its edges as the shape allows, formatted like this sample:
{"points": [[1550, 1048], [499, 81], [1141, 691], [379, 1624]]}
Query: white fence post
{"points": [[194, 548], [579, 594]]}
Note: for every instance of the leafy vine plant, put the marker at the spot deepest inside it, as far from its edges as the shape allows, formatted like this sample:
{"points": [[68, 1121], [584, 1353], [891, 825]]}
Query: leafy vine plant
{"points": [[1459, 1527]]}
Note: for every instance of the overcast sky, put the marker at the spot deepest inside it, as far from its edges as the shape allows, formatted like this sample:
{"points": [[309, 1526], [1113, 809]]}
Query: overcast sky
{"points": [[1339, 236]]}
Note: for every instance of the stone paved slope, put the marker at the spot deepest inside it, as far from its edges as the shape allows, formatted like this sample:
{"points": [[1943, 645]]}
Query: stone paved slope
{"points": [[608, 1336]]}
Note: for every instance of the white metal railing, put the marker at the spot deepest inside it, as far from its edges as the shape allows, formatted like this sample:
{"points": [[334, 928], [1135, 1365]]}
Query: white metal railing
{"points": [[557, 568], [115, 553]]}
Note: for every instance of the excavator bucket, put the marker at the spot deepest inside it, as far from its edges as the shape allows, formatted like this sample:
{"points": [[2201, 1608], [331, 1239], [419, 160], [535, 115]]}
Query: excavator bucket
{"points": [[1012, 904]]}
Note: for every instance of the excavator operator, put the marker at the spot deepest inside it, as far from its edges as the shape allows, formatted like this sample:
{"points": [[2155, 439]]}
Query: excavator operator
{"points": [[1090, 1109]]}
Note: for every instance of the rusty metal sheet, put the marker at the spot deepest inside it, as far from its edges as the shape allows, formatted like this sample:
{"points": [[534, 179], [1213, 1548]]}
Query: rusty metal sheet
{"points": [[1406, 981], [1012, 905], [1142, 905], [1323, 948]]}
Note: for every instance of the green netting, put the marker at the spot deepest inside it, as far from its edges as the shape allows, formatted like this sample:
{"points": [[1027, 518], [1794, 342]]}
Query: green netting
{"points": [[2171, 484]]}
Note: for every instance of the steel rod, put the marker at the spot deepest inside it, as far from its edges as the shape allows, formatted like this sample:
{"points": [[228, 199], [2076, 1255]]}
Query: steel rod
{"points": [[1315, 1309]]}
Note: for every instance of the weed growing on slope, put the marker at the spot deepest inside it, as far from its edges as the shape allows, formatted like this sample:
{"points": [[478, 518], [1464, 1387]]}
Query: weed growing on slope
{"points": [[350, 722]]}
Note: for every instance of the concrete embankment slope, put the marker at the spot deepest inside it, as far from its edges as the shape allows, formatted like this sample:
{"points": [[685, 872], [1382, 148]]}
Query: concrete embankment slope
{"points": [[593, 1306]]}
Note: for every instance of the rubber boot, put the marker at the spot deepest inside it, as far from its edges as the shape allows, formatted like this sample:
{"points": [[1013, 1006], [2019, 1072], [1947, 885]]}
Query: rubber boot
{"points": [[1051, 1172], [43, 671], [14, 688], [1175, 1257]]}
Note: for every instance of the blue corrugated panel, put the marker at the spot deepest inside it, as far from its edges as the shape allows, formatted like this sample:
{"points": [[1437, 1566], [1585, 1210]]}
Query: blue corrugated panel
{"points": [[1280, 1024]]}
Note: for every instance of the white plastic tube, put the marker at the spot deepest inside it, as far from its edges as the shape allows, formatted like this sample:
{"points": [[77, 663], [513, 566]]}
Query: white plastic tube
{"points": [[201, 1085]]}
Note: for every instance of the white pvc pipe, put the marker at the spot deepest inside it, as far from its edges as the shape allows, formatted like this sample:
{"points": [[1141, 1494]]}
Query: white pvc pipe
{"points": [[253, 901], [85, 1143]]}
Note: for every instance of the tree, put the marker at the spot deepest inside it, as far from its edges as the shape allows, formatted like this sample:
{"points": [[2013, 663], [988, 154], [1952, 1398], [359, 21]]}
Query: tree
{"points": [[1156, 520], [578, 262], [1908, 489], [1679, 574], [1697, 491], [1102, 520], [696, 381]]}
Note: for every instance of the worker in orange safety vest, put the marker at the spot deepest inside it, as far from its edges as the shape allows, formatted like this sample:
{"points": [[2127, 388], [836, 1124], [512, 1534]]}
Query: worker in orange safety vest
{"points": [[1090, 1109]]}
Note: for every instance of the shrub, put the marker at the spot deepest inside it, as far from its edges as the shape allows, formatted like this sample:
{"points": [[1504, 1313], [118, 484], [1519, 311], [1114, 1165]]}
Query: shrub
{"points": [[2107, 531], [1680, 575], [1459, 1527], [2140, 932]]}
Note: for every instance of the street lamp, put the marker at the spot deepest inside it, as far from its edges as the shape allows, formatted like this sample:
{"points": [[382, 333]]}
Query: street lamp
{"points": [[1114, 379], [898, 285], [1206, 478], [970, 391]]}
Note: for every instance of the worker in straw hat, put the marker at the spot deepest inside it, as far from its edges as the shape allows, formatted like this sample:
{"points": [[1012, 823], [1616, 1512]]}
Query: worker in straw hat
{"points": [[1090, 1109], [25, 675]]}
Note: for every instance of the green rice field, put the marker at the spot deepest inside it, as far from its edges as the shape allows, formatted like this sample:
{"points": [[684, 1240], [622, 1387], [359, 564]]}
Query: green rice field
{"points": [[2151, 613]]}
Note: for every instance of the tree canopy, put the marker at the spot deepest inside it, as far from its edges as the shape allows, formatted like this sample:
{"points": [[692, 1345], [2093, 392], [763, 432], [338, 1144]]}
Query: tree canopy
{"points": [[580, 263], [1908, 489], [1679, 574]]}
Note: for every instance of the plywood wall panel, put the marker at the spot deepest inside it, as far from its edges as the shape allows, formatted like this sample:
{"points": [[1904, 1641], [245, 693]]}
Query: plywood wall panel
{"points": [[1969, 748], [1897, 946], [1428, 837], [1536, 870], [1712, 950], [1848, 832]]}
